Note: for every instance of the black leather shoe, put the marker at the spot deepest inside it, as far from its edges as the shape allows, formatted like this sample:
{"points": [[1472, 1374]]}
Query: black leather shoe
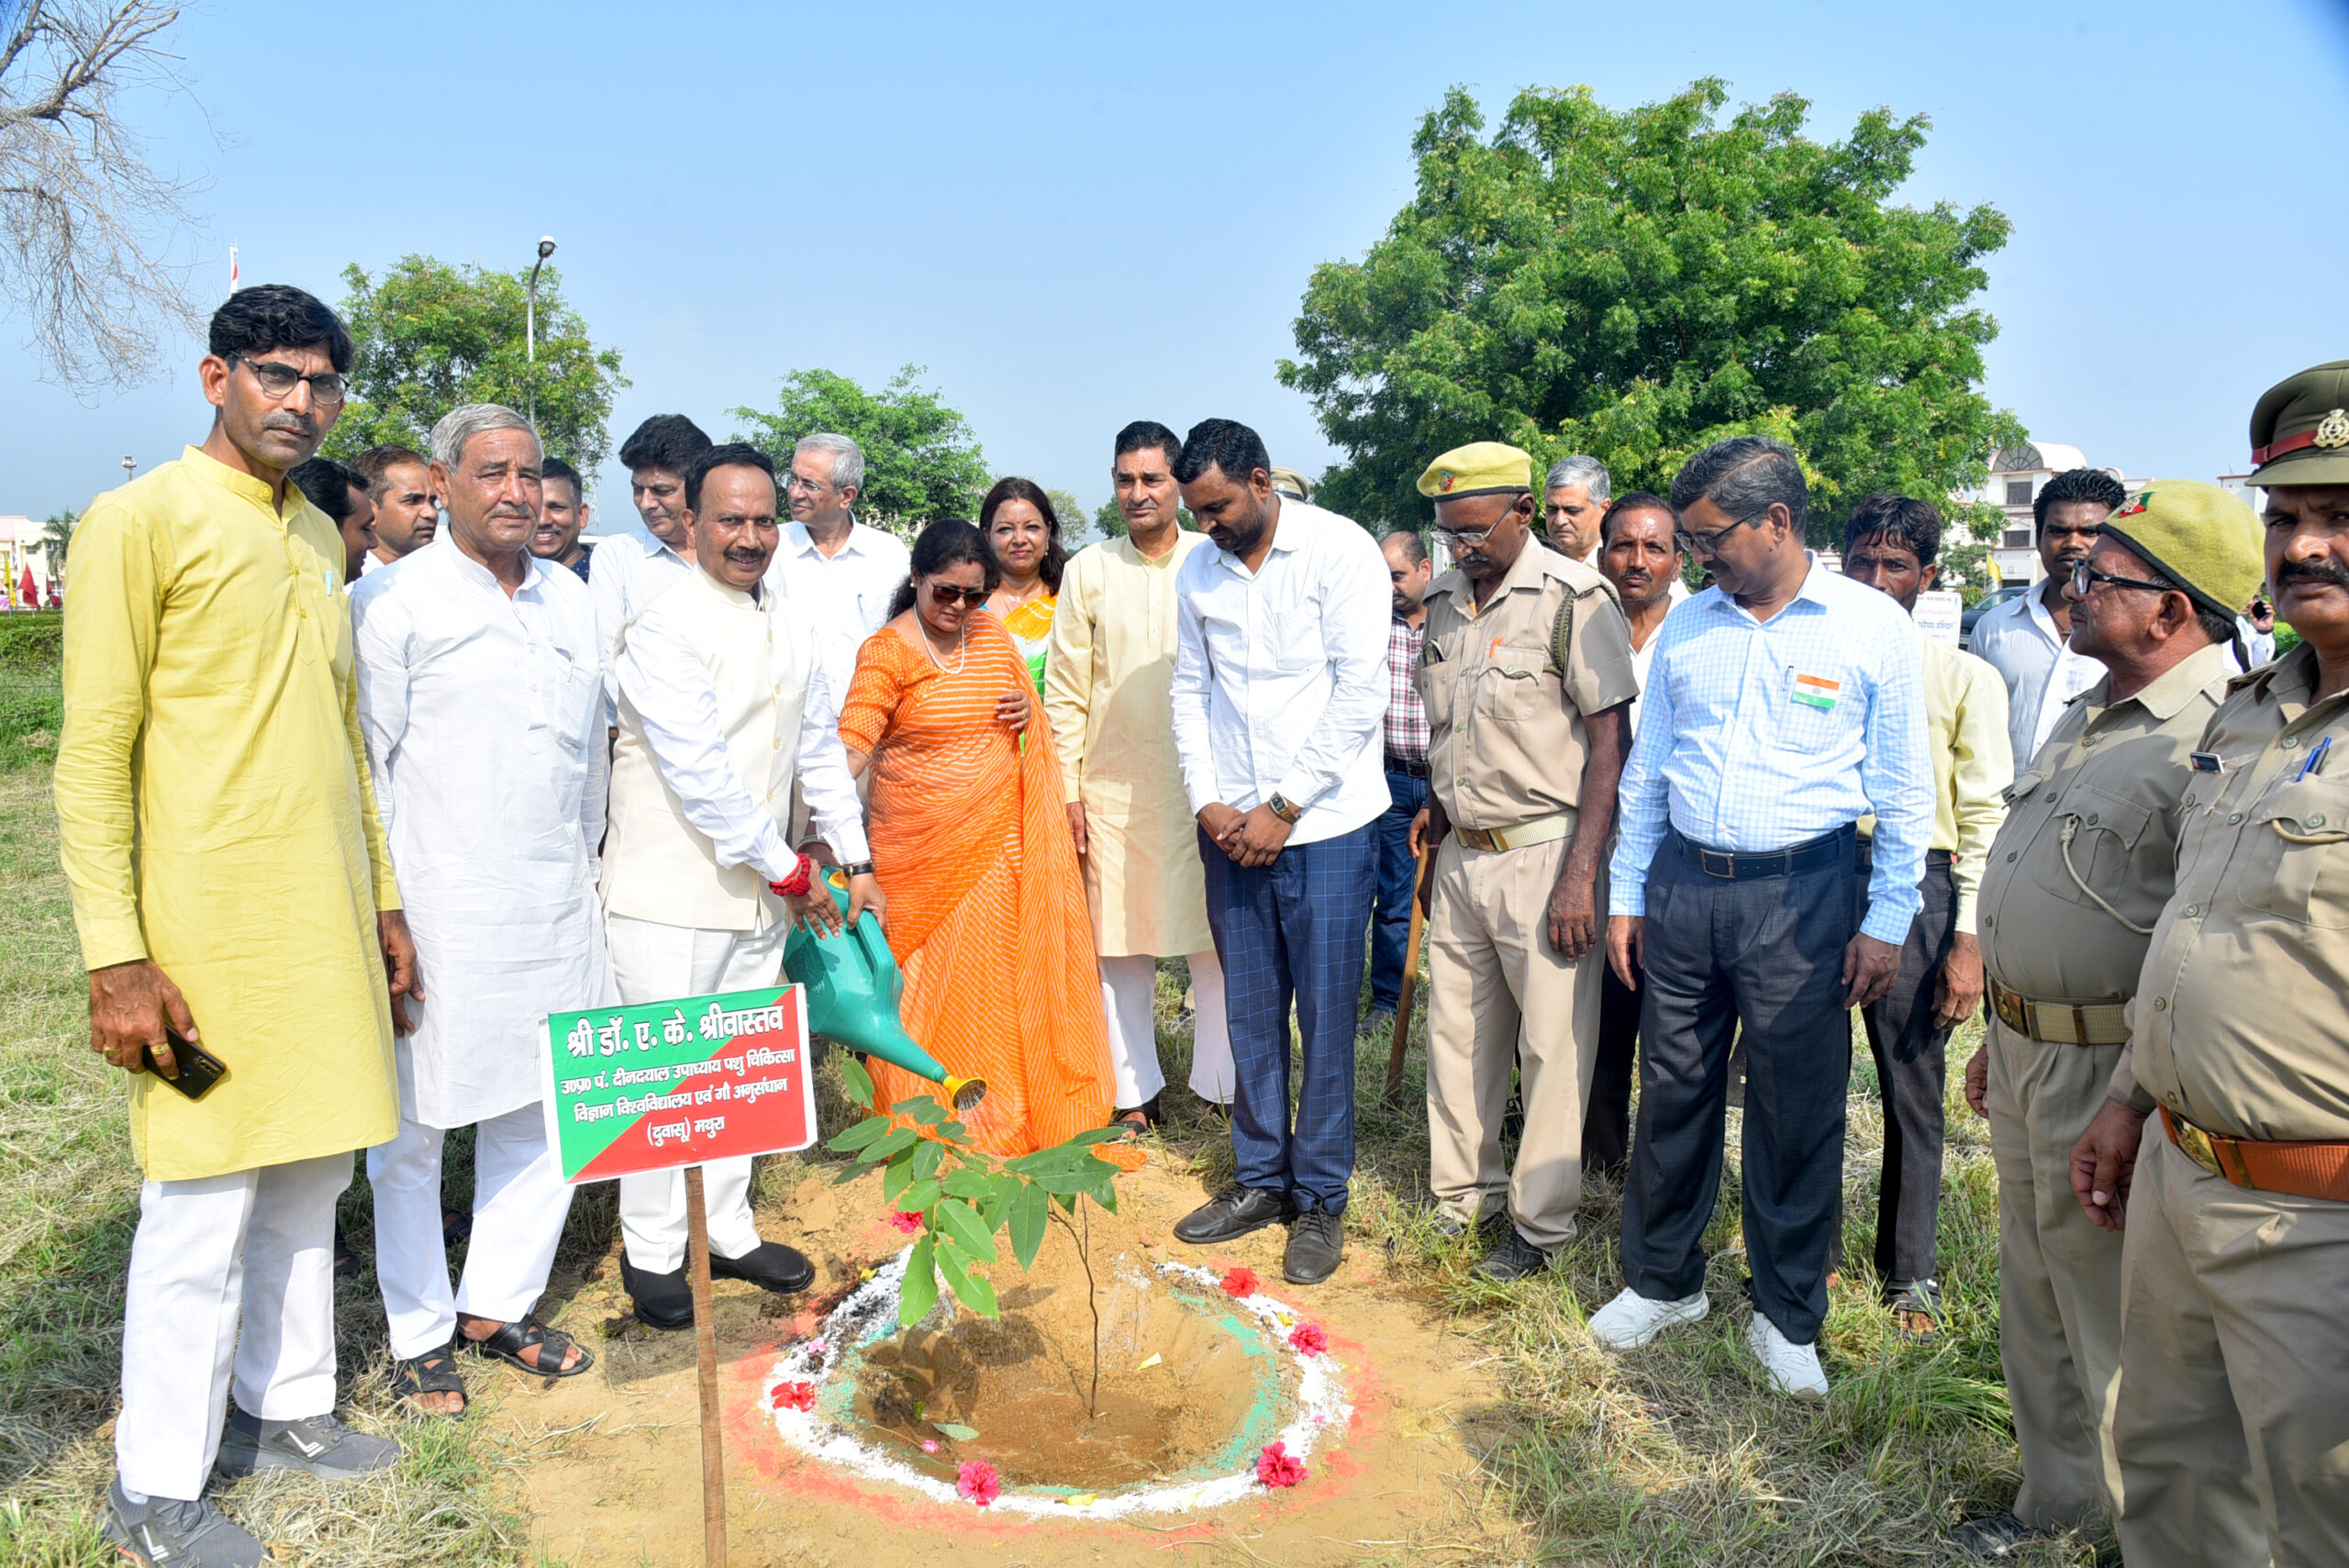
{"points": [[770, 1265], [663, 1301], [1995, 1535], [1514, 1258], [1235, 1211], [1316, 1241]]}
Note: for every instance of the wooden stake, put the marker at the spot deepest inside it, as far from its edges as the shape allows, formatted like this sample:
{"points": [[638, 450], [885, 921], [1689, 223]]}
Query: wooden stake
{"points": [[1410, 979], [713, 1448]]}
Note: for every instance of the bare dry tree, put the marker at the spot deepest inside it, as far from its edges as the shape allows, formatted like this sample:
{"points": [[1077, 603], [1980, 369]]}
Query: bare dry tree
{"points": [[89, 225]]}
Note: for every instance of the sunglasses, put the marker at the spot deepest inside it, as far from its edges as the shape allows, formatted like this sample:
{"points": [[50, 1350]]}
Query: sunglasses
{"points": [[942, 595]]}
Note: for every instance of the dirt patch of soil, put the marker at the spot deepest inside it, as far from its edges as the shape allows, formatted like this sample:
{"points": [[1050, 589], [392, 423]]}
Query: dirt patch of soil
{"points": [[621, 1483]]}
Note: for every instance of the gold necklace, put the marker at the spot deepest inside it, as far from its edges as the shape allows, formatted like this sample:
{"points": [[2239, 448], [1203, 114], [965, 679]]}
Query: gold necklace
{"points": [[962, 648]]}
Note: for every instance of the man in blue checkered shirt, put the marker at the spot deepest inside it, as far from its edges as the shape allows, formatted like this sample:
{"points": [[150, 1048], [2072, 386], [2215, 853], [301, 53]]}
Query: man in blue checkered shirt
{"points": [[1784, 704]]}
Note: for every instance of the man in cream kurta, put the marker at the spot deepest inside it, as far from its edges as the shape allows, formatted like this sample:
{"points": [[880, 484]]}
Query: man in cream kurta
{"points": [[722, 705], [481, 682], [1109, 683], [229, 879]]}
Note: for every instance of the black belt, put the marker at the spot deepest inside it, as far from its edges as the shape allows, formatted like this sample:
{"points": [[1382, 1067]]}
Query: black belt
{"points": [[1738, 865], [1865, 856], [1403, 765]]}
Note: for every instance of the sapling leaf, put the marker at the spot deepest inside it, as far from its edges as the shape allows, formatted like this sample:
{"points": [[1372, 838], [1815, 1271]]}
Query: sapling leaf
{"points": [[1105, 1195], [1029, 1213], [1099, 1135], [1069, 1182], [894, 1180], [916, 1198], [859, 1082], [961, 1221], [955, 1429], [926, 1158], [849, 1140], [955, 1132], [1001, 1192], [963, 1182], [979, 1297], [952, 1265], [898, 1140], [1066, 1200], [1054, 1159], [920, 1293], [922, 1108]]}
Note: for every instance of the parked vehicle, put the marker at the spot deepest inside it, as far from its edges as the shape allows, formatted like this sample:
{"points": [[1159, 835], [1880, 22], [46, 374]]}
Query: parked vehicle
{"points": [[1984, 606]]}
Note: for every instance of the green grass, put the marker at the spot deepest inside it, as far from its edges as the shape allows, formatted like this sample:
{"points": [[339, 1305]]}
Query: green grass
{"points": [[32, 707], [1676, 1454]]}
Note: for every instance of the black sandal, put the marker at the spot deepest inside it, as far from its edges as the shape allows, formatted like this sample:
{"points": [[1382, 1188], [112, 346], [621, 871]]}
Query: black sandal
{"points": [[346, 1261], [432, 1373], [510, 1340], [1918, 1299]]}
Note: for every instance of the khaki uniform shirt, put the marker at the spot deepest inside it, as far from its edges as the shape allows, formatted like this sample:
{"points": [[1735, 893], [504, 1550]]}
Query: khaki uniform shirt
{"points": [[2240, 1026], [1505, 741], [2118, 772]]}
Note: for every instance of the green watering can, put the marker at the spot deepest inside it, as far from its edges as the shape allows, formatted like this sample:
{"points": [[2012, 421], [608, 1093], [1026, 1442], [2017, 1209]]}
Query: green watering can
{"points": [[851, 985]]}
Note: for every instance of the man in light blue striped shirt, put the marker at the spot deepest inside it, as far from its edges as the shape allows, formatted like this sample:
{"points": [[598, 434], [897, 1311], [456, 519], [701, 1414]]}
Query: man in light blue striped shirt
{"points": [[1783, 705]]}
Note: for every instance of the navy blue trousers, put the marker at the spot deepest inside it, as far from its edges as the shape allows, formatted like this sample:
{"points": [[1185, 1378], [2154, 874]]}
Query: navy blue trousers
{"points": [[1390, 921], [1293, 930], [1766, 954]]}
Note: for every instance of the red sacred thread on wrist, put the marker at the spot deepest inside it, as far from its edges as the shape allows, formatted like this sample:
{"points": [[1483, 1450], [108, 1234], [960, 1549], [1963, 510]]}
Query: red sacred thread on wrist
{"points": [[796, 885]]}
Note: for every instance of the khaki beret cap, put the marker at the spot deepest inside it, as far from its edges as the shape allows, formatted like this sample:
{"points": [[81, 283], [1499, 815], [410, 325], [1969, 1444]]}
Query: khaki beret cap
{"points": [[2200, 535]]}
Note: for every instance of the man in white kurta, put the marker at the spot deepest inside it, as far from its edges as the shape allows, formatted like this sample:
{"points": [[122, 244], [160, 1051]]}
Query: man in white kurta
{"points": [[481, 692], [640, 564], [1109, 685], [723, 706]]}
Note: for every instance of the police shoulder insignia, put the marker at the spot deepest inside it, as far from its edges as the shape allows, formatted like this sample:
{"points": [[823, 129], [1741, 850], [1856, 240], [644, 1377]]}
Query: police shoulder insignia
{"points": [[2333, 431], [2137, 506]]}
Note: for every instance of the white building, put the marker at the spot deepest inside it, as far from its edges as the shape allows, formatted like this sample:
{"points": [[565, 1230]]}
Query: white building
{"points": [[2016, 475], [21, 551]]}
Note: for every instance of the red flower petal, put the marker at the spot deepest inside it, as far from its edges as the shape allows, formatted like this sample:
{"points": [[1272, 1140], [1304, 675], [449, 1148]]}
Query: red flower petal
{"points": [[1306, 1338], [1240, 1282]]}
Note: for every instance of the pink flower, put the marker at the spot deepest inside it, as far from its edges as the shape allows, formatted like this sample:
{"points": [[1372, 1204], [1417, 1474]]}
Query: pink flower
{"points": [[1240, 1282], [1307, 1340], [1274, 1467], [795, 1397], [976, 1481], [929, 1445], [906, 1224]]}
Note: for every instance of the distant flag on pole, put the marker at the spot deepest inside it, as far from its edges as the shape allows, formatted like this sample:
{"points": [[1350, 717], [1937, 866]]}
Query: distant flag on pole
{"points": [[233, 268]]}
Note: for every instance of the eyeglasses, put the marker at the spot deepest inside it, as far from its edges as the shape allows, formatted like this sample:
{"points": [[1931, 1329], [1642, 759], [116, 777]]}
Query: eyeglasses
{"points": [[327, 389], [2085, 578], [792, 482], [1709, 545], [943, 595], [1465, 539]]}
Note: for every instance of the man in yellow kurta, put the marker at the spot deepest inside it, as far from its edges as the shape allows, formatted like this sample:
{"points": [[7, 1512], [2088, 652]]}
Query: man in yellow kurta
{"points": [[1109, 683], [230, 883]]}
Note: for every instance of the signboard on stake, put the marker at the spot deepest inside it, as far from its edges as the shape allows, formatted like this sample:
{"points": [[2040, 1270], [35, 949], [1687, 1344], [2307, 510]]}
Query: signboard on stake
{"points": [[665, 1086], [1939, 613]]}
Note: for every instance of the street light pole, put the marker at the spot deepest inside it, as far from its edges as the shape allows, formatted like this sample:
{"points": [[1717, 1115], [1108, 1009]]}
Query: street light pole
{"points": [[530, 323], [129, 468]]}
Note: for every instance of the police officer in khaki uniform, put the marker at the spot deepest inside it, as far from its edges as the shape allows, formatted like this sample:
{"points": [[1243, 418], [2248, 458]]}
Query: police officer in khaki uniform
{"points": [[1526, 672], [2077, 878], [2233, 1420]]}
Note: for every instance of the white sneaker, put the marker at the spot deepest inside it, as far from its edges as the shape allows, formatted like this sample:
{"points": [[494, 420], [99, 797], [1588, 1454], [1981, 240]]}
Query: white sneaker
{"points": [[1794, 1368], [1631, 1319]]}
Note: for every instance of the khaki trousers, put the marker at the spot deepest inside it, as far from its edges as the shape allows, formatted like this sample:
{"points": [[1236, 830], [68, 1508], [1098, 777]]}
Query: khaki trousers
{"points": [[2232, 1424], [2059, 1278], [1501, 995]]}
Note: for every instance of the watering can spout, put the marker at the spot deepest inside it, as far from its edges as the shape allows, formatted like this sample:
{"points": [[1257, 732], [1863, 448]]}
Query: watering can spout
{"points": [[851, 985]]}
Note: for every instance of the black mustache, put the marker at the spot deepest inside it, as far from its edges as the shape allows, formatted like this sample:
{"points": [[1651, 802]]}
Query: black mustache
{"points": [[2331, 572]]}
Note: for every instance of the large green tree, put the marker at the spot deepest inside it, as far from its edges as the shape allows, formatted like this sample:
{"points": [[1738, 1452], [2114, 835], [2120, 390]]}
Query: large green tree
{"points": [[1635, 284], [921, 459], [430, 336]]}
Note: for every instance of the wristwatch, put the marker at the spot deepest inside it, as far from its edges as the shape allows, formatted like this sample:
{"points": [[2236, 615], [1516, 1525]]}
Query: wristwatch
{"points": [[862, 868], [1283, 809]]}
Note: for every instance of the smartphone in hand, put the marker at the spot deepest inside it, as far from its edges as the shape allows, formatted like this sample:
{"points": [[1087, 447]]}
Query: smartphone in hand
{"points": [[199, 1069]]}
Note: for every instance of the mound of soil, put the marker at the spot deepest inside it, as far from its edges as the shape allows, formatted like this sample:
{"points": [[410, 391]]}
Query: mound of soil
{"points": [[1178, 1377]]}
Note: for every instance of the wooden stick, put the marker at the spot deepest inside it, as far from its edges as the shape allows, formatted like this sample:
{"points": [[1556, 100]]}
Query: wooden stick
{"points": [[1410, 979], [713, 1449]]}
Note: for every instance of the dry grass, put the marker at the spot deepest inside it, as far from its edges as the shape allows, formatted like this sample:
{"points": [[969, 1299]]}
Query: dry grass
{"points": [[1672, 1455]]}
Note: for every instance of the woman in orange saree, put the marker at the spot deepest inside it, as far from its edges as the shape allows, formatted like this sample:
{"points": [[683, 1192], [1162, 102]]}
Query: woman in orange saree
{"points": [[986, 915]]}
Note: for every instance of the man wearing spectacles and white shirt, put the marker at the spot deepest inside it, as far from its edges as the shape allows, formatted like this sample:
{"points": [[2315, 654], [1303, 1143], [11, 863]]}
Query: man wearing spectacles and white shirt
{"points": [[2029, 641], [637, 568], [1786, 701], [837, 573]]}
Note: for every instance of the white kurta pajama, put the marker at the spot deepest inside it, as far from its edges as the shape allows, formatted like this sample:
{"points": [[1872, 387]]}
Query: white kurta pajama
{"points": [[485, 731], [1108, 679], [723, 707]]}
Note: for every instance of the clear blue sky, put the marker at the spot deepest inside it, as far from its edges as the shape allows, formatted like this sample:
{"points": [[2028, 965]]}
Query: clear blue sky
{"points": [[1076, 216]]}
